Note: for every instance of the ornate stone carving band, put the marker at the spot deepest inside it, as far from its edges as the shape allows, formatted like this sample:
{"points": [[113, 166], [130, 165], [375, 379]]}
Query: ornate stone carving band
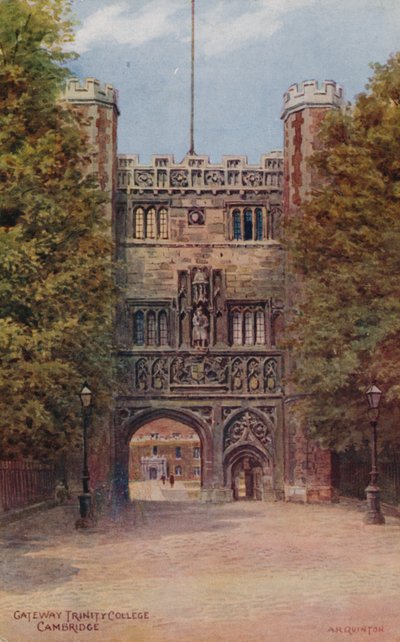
{"points": [[220, 372]]}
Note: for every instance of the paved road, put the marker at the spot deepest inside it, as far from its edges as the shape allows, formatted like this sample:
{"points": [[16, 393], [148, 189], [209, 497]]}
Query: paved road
{"points": [[243, 572], [155, 490]]}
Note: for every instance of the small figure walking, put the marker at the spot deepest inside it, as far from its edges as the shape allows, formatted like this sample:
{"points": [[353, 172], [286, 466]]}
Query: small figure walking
{"points": [[61, 493], [163, 478], [172, 480]]}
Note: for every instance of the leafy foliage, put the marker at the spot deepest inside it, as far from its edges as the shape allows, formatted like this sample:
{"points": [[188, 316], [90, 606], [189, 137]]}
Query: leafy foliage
{"points": [[55, 268], [346, 251]]}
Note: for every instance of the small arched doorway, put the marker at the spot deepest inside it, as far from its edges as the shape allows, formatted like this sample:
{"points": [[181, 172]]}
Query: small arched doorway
{"points": [[247, 477], [249, 457]]}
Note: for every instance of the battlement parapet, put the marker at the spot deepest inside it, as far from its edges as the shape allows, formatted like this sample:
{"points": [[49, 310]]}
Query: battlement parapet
{"points": [[311, 94], [90, 90], [196, 173]]}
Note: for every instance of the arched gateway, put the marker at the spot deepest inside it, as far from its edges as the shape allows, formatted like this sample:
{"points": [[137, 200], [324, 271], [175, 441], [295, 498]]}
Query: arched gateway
{"points": [[241, 443], [130, 422], [199, 326]]}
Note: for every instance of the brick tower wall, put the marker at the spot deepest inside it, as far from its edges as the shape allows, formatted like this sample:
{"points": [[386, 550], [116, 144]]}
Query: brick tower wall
{"points": [[309, 468], [97, 107]]}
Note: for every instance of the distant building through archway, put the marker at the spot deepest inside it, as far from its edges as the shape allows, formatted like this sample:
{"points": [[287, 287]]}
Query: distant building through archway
{"points": [[165, 455]]}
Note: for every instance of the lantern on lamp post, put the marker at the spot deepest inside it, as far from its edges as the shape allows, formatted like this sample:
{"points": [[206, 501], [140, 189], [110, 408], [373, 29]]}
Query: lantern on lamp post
{"points": [[85, 499], [373, 492]]}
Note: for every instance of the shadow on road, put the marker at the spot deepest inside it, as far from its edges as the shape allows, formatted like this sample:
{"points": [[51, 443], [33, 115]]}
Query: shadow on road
{"points": [[160, 519]]}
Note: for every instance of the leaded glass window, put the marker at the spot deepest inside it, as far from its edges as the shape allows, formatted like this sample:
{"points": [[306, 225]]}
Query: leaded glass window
{"points": [[139, 223], [163, 328], [248, 225], [248, 329], [259, 224], [237, 329], [163, 223], [151, 223], [237, 225], [260, 328], [151, 329], [138, 328]]}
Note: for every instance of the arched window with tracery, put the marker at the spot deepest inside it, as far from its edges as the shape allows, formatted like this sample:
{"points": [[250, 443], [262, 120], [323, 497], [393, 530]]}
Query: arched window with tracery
{"points": [[249, 329], [237, 329], [138, 328], [237, 225], [260, 328], [247, 325], [259, 224], [151, 329], [151, 223], [163, 328], [248, 225], [138, 223]]}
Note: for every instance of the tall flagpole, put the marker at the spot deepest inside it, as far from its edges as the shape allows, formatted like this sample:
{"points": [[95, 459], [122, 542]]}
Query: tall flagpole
{"points": [[191, 149]]}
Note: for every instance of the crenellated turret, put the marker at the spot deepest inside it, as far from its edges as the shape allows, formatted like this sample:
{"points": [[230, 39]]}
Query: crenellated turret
{"points": [[305, 106], [308, 477], [98, 106], [311, 94]]}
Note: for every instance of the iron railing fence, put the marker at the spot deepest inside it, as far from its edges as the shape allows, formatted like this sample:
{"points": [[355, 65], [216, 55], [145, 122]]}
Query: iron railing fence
{"points": [[25, 482]]}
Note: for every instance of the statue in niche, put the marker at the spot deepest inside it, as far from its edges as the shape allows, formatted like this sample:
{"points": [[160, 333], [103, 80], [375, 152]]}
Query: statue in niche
{"points": [[200, 328]]}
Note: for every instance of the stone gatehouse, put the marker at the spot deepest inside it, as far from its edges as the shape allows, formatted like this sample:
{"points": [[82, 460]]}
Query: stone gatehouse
{"points": [[200, 327]]}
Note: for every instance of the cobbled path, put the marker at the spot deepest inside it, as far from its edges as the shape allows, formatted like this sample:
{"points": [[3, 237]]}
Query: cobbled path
{"points": [[242, 572]]}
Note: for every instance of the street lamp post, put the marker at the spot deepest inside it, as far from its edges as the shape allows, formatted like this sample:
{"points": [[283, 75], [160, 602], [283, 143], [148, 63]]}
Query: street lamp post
{"points": [[373, 492], [85, 500]]}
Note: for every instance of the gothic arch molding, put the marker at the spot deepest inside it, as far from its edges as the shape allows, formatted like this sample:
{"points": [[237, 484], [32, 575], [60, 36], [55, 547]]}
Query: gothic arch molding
{"points": [[130, 426], [248, 434], [249, 426]]}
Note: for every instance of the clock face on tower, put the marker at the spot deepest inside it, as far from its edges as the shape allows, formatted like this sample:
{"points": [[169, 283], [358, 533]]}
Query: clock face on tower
{"points": [[196, 217]]}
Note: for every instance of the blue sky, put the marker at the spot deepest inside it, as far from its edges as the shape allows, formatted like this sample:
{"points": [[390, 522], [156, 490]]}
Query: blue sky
{"points": [[248, 53]]}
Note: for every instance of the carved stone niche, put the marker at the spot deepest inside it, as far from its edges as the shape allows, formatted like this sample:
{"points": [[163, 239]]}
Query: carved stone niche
{"points": [[249, 428], [277, 322], [142, 375], [271, 383], [219, 327], [183, 308], [200, 278], [159, 374]]}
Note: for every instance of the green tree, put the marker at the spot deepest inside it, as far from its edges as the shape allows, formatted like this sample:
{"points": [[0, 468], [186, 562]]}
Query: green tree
{"points": [[346, 255], [55, 267]]}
